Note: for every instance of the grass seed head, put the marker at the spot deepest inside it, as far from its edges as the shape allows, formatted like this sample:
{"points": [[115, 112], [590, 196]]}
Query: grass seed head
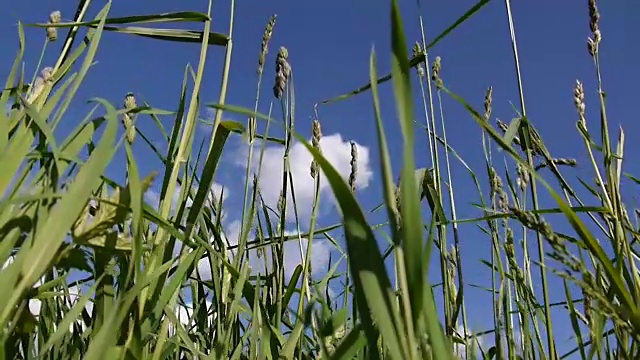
{"points": [[451, 279], [283, 71], [353, 174], [578, 100], [35, 89], [281, 203], [266, 37], [522, 180], [435, 72], [127, 118], [315, 142], [55, 17], [397, 210], [594, 25], [510, 252], [587, 306], [47, 74], [417, 50], [52, 32], [497, 190], [129, 101], [488, 100]]}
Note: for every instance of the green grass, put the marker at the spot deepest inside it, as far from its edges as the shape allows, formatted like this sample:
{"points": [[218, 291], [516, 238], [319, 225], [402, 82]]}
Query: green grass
{"points": [[60, 212]]}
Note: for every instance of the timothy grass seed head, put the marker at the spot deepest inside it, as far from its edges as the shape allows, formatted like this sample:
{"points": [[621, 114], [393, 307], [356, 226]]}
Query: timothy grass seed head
{"points": [[35, 89], [45, 77], [488, 100], [283, 71], [435, 72], [315, 142], [417, 50], [266, 37], [594, 25], [497, 190], [130, 101], [127, 118], [397, 211], [281, 203], [522, 180], [353, 174], [578, 100], [54, 18], [47, 74]]}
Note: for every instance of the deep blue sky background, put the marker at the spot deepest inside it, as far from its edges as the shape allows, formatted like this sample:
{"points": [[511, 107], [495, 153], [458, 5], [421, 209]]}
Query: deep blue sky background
{"points": [[329, 44]]}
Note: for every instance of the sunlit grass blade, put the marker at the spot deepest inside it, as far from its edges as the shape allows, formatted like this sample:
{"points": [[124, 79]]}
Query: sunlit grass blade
{"points": [[104, 338], [392, 211], [7, 93], [422, 302], [351, 345], [70, 318], [209, 170], [181, 157], [373, 291], [54, 230], [180, 16], [175, 35]]}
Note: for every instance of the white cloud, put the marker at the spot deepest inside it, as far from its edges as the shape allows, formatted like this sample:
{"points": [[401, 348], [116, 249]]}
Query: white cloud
{"points": [[476, 342], [10, 261], [335, 149], [320, 251], [153, 197], [183, 312], [73, 297], [473, 344]]}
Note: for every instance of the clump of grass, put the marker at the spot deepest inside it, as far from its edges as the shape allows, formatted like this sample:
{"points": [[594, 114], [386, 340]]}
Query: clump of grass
{"points": [[166, 280]]}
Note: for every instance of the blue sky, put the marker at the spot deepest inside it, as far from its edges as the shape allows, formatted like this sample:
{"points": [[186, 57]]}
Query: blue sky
{"points": [[329, 44]]}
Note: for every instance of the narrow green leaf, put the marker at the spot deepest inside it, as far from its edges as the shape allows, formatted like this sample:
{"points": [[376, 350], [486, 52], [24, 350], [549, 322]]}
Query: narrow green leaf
{"points": [[415, 61], [375, 297], [180, 16], [56, 226]]}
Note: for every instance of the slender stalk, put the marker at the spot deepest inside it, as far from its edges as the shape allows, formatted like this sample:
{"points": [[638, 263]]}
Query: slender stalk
{"points": [[534, 194], [454, 219], [442, 236], [289, 123], [306, 256], [183, 149]]}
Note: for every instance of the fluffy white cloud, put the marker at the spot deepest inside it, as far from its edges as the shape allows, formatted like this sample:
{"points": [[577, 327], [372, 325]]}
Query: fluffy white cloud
{"points": [[476, 342], [183, 313], [216, 191], [320, 251], [335, 149], [472, 346], [73, 297]]}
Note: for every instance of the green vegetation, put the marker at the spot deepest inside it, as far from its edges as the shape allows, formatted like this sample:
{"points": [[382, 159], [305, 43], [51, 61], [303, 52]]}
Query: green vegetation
{"points": [[59, 212]]}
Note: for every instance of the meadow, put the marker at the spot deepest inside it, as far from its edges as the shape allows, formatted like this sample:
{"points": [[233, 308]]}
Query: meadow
{"points": [[96, 269]]}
